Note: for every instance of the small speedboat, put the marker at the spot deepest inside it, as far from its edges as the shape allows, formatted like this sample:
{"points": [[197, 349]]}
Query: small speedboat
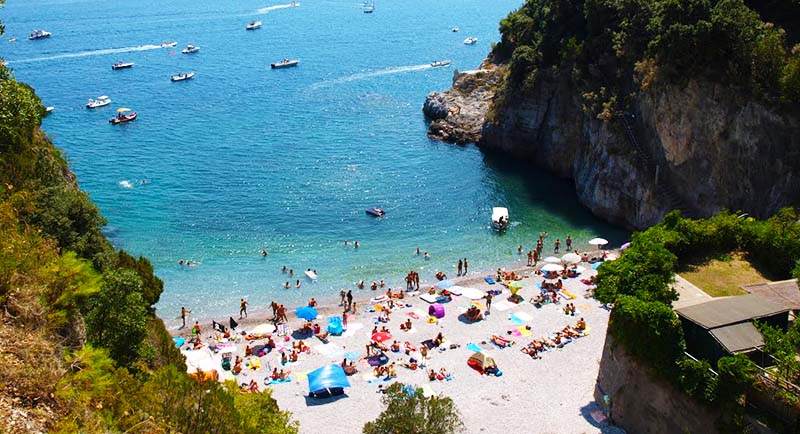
{"points": [[12, 40], [100, 101], [285, 63], [122, 65], [440, 63], [456, 29], [182, 76], [500, 218], [254, 25], [123, 115], [169, 44], [377, 212], [190, 49], [369, 8], [471, 40], [294, 4], [49, 108], [39, 34]]}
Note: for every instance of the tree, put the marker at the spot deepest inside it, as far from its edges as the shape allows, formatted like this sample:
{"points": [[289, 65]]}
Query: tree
{"points": [[783, 347], [409, 412], [152, 286]]}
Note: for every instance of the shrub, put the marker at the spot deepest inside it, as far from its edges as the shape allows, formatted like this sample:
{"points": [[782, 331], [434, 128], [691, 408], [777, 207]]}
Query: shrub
{"points": [[409, 412]]}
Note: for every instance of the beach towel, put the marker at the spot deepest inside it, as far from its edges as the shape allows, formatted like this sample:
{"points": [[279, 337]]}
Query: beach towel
{"points": [[352, 328], [568, 294], [301, 376], [277, 380], [522, 316], [523, 331], [503, 305], [474, 347], [456, 290], [516, 320], [596, 265], [413, 315], [427, 391], [489, 280]]}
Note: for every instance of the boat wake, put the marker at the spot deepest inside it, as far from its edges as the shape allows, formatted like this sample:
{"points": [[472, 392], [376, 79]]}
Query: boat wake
{"points": [[125, 184], [372, 74], [268, 9], [89, 53]]}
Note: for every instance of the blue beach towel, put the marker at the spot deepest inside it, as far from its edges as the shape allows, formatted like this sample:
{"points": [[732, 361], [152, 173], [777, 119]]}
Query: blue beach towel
{"points": [[489, 280], [474, 347]]}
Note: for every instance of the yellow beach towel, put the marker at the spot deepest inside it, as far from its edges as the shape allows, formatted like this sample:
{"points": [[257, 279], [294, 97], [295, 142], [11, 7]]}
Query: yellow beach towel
{"points": [[524, 331], [568, 294]]}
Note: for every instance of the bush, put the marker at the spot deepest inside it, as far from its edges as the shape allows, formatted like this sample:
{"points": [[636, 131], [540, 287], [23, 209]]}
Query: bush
{"points": [[408, 412]]}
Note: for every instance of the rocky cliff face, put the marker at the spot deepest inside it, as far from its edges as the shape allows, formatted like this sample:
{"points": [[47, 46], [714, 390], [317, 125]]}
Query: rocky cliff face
{"points": [[700, 148]]}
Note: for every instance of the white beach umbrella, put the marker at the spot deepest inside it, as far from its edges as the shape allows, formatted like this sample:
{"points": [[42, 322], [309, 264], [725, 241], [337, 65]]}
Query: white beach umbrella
{"points": [[472, 293], [598, 241], [263, 329], [580, 270], [552, 260], [552, 267], [571, 258]]}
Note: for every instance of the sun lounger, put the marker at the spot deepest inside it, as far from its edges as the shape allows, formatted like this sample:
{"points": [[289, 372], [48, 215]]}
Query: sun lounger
{"points": [[430, 298]]}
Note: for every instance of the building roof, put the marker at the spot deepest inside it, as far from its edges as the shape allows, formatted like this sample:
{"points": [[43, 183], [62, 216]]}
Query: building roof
{"points": [[784, 292], [736, 338], [730, 310]]}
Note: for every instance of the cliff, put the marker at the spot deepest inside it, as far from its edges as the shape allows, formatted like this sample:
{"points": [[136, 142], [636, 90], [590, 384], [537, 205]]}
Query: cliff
{"points": [[699, 146]]}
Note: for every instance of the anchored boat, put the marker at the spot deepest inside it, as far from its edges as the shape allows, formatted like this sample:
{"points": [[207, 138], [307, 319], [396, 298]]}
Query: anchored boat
{"points": [[122, 65], [377, 212], [254, 25], [182, 76], [123, 115], [285, 63], [500, 218], [190, 49], [39, 34], [100, 101], [471, 40]]}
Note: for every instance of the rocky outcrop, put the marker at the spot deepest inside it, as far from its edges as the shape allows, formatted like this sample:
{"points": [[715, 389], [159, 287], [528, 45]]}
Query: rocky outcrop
{"points": [[700, 148]]}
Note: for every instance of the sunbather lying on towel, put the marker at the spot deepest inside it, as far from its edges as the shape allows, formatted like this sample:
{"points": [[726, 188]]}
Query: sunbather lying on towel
{"points": [[323, 336], [501, 341]]}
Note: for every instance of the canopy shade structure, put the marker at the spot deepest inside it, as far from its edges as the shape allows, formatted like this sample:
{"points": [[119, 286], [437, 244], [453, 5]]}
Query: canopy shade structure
{"points": [[598, 241], [306, 312], [328, 377], [571, 258], [552, 260], [123, 110], [262, 329], [552, 267]]}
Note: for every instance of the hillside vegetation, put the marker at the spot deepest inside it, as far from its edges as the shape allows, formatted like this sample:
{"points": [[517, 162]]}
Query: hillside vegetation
{"points": [[82, 349], [612, 49]]}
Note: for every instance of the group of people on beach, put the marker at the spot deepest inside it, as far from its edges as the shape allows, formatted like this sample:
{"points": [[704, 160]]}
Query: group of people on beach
{"points": [[556, 340]]}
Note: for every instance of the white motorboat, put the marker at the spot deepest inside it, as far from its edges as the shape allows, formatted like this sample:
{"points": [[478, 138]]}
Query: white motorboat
{"points": [[500, 218], [169, 44], [285, 63], [456, 29], [254, 25], [12, 40], [49, 108], [182, 76], [100, 101], [369, 8], [440, 63], [122, 65], [39, 34], [470, 41], [190, 49]]}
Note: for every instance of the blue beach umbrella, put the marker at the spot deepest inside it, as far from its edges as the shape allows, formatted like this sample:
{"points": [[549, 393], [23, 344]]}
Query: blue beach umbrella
{"points": [[306, 312], [328, 377]]}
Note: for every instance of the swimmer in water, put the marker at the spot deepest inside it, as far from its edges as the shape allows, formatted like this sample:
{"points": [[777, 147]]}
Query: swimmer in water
{"points": [[427, 255], [417, 252], [286, 285], [357, 244], [291, 272], [181, 262], [264, 252], [298, 283], [283, 269]]}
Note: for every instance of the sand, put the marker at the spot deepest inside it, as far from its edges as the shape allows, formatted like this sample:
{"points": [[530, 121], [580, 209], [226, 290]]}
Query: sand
{"points": [[553, 394]]}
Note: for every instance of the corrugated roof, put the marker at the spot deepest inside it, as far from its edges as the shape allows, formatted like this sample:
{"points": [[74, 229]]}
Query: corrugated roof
{"points": [[738, 337], [730, 310], [784, 292]]}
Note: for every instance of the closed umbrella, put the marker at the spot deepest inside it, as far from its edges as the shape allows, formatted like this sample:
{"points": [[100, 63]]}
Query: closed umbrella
{"points": [[571, 258], [306, 312], [552, 267], [381, 337], [598, 241], [552, 260], [262, 329]]}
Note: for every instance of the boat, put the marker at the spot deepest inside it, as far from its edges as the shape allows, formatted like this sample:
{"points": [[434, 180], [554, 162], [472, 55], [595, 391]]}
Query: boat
{"points": [[456, 29], [169, 44], [123, 115], [471, 40], [254, 25], [311, 274], [122, 65], [285, 63], [440, 63], [500, 218], [49, 108], [377, 212], [100, 101], [369, 8], [294, 4], [182, 76], [12, 40], [190, 49], [39, 34]]}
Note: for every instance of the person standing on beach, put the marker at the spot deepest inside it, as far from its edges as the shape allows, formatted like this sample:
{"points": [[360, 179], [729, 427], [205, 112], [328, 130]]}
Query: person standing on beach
{"points": [[530, 258], [349, 298], [488, 298], [184, 311], [556, 245], [243, 308], [274, 307], [568, 241], [343, 296], [416, 279], [466, 269], [460, 266], [535, 257]]}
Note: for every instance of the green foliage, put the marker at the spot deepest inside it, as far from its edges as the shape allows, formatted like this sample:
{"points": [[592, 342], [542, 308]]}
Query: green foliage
{"points": [[697, 379], [117, 317], [73, 281], [152, 286], [412, 413], [796, 270], [259, 413], [782, 346]]}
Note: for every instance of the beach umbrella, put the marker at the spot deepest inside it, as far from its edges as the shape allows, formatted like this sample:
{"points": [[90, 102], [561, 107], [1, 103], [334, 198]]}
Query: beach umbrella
{"points": [[571, 258], [598, 241], [444, 284], [306, 313], [580, 270], [381, 337], [472, 293], [552, 260], [625, 246], [552, 267], [263, 329], [123, 110], [329, 378]]}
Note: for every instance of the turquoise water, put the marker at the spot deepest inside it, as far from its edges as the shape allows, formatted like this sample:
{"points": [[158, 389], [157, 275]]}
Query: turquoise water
{"points": [[243, 157]]}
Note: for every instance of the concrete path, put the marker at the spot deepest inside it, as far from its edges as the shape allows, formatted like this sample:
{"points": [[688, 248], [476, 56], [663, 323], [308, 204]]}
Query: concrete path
{"points": [[688, 293]]}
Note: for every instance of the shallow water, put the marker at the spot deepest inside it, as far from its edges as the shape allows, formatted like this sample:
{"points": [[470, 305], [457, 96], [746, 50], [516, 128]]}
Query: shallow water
{"points": [[243, 157]]}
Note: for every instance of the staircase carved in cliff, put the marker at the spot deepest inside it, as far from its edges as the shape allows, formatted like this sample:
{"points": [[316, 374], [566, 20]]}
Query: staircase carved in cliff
{"points": [[664, 190]]}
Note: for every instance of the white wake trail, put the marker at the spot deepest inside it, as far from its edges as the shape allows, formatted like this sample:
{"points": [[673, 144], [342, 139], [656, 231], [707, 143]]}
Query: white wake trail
{"points": [[372, 74], [267, 9], [89, 53]]}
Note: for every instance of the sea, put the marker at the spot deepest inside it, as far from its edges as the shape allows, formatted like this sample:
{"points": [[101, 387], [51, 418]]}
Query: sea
{"points": [[244, 158]]}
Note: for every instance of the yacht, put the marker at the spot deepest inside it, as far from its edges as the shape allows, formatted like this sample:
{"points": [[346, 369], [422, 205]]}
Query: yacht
{"points": [[182, 76], [100, 101], [471, 40], [122, 65], [190, 49], [254, 25], [169, 44], [39, 34], [440, 63], [285, 63]]}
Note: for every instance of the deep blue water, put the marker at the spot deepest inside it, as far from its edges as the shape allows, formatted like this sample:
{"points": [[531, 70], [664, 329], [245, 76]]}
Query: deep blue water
{"points": [[243, 157]]}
